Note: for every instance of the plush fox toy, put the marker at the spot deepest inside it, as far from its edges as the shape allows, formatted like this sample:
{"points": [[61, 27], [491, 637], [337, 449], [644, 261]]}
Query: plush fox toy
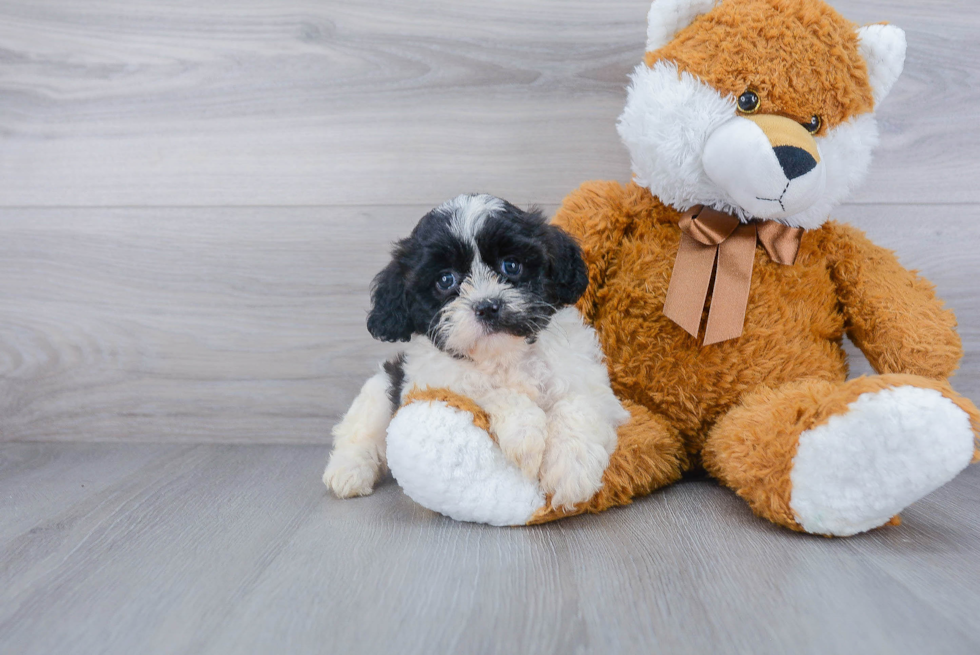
{"points": [[721, 290]]}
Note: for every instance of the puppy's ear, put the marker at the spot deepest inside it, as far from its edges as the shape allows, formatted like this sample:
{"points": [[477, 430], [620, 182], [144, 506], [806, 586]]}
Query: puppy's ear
{"points": [[389, 319], [569, 275]]}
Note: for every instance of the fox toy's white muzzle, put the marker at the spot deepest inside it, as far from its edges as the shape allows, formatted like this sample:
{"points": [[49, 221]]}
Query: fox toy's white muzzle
{"points": [[770, 165]]}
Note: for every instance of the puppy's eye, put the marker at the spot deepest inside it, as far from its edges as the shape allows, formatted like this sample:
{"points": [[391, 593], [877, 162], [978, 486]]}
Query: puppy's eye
{"points": [[511, 267], [748, 102], [446, 281], [813, 126]]}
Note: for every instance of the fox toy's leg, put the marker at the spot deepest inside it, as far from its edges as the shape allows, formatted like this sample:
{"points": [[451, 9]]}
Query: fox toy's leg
{"points": [[839, 459], [445, 456], [358, 456]]}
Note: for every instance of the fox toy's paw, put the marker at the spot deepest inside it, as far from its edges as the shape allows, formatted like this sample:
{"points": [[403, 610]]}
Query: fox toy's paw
{"points": [[886, 451], [444, 461]]}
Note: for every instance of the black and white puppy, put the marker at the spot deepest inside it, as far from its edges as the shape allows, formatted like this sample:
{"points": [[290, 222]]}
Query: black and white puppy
{"points": [[482, 292]]}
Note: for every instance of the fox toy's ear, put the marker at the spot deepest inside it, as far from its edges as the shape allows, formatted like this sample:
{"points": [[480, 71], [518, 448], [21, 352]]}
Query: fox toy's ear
{"points": [[668, 17], [567, 270], [389, 319], [883, 49]]}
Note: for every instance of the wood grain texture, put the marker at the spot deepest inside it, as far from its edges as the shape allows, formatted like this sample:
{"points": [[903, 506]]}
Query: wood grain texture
{"points": [[302, 102], [247, 325], [218, 549]]}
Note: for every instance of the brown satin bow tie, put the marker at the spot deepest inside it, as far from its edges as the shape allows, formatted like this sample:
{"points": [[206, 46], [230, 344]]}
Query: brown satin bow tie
{"points": [[710, 238]]}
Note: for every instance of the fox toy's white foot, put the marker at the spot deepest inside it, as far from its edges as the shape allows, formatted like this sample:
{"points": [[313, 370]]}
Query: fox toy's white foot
{"points": [[444, 462], [862, 467]]}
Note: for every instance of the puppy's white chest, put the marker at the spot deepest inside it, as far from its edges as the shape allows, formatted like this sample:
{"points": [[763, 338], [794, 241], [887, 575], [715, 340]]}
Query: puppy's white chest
{"points": [[526, 375]]}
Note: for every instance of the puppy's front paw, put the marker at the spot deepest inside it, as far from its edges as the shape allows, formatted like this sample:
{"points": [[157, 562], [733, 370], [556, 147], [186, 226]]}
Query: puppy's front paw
{"points": [[522, 440], [348, 475], [572, 471]]}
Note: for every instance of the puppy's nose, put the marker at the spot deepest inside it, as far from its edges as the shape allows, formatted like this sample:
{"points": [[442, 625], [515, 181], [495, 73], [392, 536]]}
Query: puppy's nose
{"points": [[796, 162], [487, 309]]}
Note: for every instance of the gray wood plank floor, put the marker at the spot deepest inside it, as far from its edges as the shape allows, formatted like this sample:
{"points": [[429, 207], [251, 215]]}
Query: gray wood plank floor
{"points": [[236, 549], [193, 198]]}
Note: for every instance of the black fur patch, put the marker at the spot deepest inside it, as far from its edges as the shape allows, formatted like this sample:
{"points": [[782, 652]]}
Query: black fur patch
{"points": [[395, 368]]}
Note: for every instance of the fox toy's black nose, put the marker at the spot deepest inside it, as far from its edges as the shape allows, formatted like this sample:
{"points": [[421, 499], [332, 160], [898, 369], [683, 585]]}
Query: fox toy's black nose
{"points": [[487, 309], [796, 162]]}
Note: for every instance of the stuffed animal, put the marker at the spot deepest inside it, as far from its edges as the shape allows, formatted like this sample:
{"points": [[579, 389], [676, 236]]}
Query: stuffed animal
{"points": [[721, 290]]}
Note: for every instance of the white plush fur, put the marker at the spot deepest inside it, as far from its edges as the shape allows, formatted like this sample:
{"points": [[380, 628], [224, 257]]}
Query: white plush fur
{"points": [[739, 158], [445, 463], [883, 48], [358, 456], [888, 450], [668, 17], [526, 389], [845, 154], [667, 123]]}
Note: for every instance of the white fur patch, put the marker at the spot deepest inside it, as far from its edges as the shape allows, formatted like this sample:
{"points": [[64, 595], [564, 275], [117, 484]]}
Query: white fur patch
{"points": [[666, 125], [883, 48], [469, 212], [887, 451], [556, 386], [445, 463], [668, 17]]}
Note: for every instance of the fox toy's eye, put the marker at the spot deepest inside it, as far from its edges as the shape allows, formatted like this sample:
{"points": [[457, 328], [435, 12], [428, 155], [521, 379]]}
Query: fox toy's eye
{"points": [[446, 282], [511, 267], [748, 102], [813, 126]]}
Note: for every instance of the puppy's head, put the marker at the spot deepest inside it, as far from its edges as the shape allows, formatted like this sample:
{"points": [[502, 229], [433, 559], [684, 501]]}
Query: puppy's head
{"points": [[476, 270]]}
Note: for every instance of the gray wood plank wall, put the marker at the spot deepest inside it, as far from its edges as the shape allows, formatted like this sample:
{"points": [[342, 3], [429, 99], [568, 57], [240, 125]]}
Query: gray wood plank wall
{"points": [[194, 196]]}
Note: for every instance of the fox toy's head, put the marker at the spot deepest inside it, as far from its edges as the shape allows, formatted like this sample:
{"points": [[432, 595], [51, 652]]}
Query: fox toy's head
{"points": [[760, 108]]}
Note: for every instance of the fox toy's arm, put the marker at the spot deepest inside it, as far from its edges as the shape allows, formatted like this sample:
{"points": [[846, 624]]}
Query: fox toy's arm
{"points": [[892, 314], [597, 216]]}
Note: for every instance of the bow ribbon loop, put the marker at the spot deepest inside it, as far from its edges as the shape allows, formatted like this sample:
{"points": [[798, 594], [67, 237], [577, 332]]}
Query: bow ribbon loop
{"points": [[714, 242], [708, 227], [781, 242]]}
